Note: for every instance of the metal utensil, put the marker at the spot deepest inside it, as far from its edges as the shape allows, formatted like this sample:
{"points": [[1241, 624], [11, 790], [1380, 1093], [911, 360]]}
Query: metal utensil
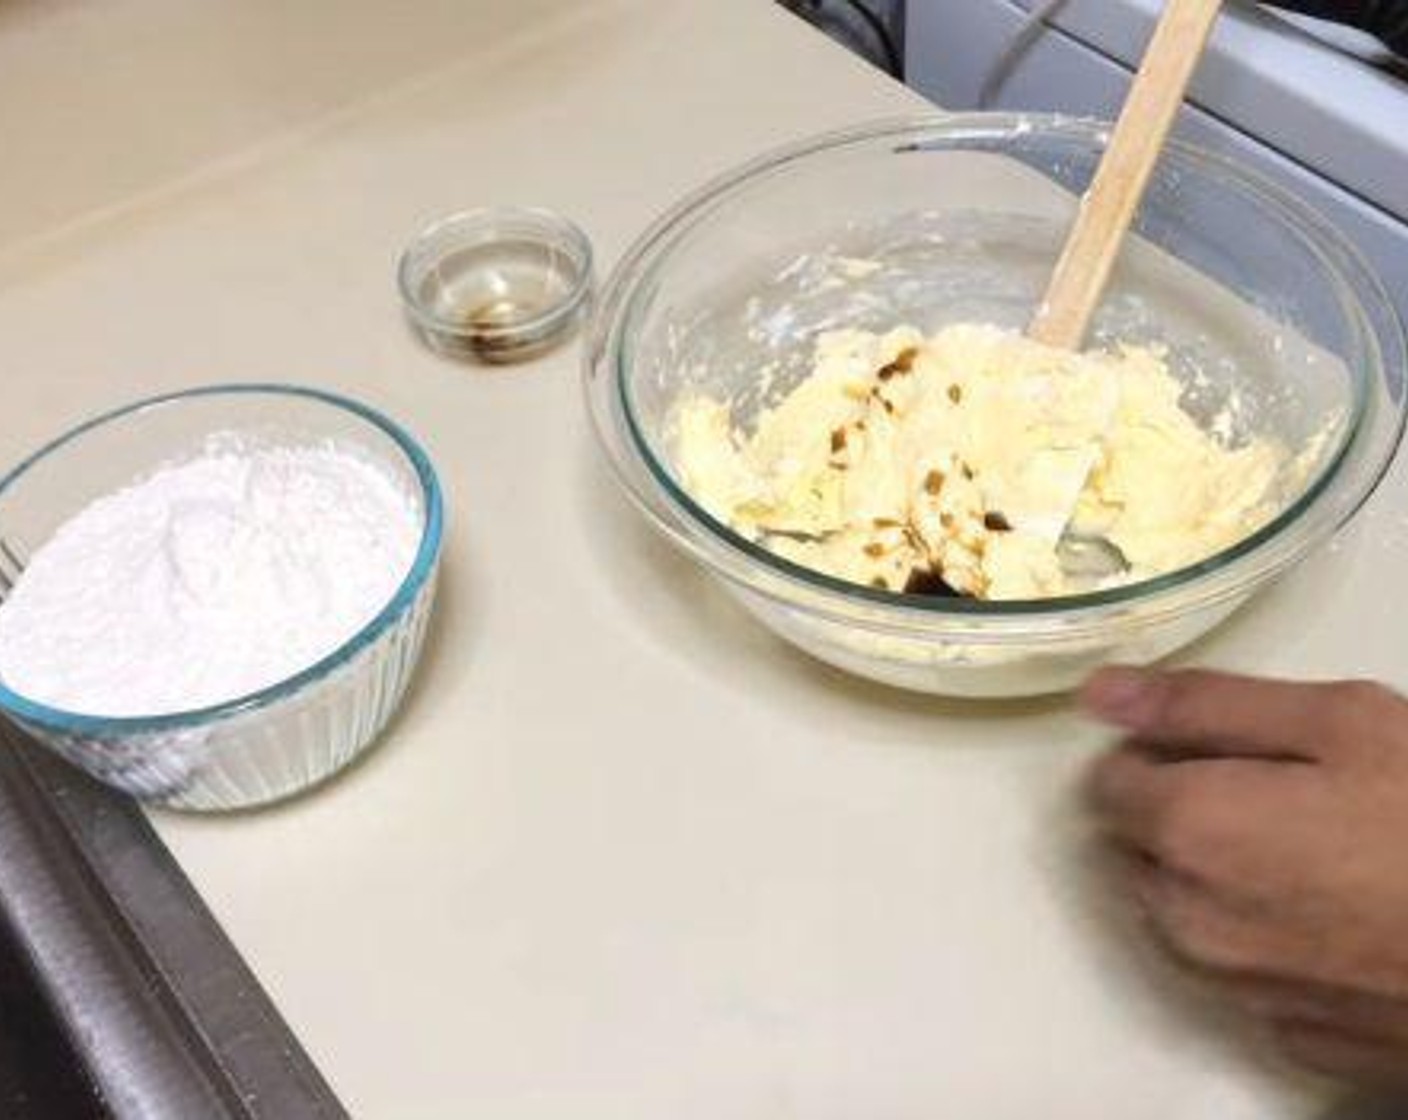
{"points": [[1090, 556]]}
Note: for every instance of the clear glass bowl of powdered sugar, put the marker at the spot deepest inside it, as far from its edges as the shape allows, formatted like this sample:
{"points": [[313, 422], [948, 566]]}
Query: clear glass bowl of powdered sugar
{"points": [[216, 599]]}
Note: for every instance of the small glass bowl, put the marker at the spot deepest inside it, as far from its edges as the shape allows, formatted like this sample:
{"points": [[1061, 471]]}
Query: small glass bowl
{"points": [[282, 739], [497, 285]]}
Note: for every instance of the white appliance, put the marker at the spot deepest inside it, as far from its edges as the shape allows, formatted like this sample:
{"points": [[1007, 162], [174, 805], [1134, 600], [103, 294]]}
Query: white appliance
{"points": [[1303, 103]]}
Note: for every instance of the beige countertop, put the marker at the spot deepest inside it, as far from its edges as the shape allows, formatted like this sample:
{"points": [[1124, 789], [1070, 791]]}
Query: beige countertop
{"points": [[623, 854]]}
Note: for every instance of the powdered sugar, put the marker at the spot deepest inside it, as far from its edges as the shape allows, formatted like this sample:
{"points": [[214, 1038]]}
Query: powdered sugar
{"points": [[208, 580]]}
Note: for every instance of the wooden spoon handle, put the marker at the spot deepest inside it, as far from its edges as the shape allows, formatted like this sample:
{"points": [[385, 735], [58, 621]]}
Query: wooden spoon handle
{"points": [[1108, 206]]}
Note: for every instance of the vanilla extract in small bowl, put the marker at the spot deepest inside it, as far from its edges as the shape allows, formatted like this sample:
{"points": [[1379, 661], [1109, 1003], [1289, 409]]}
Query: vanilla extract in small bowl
{"points": [[497, 286]]}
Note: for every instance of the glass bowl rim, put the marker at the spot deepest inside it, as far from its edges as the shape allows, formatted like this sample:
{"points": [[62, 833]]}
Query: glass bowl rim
{"points": [[565, 236], [61, 720], [1343, 264]]}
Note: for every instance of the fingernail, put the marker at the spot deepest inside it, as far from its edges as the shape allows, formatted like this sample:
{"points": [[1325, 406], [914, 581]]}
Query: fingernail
{"points": [[1122, 697]]}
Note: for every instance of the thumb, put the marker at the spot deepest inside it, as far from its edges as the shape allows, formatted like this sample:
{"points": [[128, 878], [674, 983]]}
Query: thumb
{"points": [[1217, 713]]}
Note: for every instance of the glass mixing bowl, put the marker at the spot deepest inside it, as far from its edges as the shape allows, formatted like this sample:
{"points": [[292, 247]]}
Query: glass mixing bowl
{"points": [[282, 739], [1260, 302]]}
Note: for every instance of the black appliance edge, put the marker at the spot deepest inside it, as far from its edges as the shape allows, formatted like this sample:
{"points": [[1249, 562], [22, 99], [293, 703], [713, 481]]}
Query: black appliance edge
{"points": [[165, 1015]]}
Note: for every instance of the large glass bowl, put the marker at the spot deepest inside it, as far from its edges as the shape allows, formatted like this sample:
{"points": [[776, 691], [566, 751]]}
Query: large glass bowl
{"points": [[1259, 300], [282, 739]]}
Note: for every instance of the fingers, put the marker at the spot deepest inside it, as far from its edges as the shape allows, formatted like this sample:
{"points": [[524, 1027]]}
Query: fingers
{"points": [[1198, 926], [1367, 1061], [1259, 815], [1274, 999], [1229, 715], [1324, 1027], [1203, 818]]}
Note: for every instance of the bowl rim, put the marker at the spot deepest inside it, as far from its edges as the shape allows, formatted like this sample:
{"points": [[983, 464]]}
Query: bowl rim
{"points": [[421, 569], [560, 234], [744, 562]]}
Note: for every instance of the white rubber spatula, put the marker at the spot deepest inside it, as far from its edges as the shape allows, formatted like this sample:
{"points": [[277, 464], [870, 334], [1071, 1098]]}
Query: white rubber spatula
{"points": [[1105, 213]]}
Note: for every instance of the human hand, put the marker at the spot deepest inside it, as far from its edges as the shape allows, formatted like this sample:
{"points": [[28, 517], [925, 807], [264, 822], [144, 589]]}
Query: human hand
{"points": [[1265, 826]]}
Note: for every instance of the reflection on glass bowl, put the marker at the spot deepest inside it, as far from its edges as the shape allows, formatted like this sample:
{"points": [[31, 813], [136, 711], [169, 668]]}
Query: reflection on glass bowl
{"points": [[932, 222]]}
